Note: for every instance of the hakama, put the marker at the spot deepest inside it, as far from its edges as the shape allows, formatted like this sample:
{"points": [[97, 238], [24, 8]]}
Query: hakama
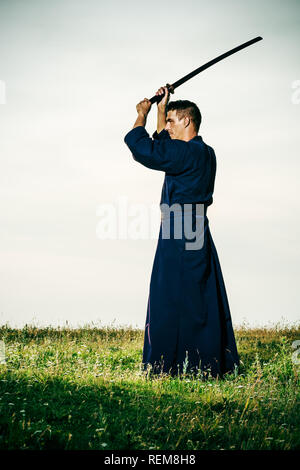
{"points": [[188, 323]]}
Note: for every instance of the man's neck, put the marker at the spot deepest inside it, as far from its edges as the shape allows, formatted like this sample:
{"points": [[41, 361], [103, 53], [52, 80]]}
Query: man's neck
{"points": [[189, 137]]}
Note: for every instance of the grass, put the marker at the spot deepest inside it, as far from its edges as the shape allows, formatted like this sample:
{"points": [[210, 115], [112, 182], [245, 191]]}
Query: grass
{"points": [[64, 388]]}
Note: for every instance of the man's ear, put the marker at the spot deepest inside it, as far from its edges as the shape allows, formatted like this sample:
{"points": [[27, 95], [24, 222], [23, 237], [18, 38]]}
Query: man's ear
{"points": [[186, 121]]}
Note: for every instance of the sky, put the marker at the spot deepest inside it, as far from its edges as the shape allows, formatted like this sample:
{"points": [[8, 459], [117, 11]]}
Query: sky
{"points": [[73, 72]]}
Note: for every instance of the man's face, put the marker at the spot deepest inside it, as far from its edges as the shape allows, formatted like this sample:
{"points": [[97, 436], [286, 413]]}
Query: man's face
{"points": [[175, 126]]}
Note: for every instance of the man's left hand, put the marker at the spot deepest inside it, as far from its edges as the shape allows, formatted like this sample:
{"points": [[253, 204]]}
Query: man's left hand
{"points": [[143, 107]]}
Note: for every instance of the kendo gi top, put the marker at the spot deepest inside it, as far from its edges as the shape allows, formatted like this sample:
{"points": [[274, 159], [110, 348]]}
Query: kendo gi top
{"points": [[190, 167]]}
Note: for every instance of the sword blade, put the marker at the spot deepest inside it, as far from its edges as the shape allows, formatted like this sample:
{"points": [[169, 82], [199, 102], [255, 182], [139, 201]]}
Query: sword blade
{"points": [[187, 77]]}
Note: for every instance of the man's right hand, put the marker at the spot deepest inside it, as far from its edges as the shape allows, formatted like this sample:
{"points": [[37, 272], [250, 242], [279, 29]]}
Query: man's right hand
{"points": [[163, 103]]}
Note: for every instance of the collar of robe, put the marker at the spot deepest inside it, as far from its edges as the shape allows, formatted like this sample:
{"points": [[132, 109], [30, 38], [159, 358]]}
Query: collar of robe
{"points": [[197, 138]]}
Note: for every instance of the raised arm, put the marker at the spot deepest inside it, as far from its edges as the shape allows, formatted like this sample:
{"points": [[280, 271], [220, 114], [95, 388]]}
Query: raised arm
{"points": [[163, 153], [161, 108], [143, 108]]}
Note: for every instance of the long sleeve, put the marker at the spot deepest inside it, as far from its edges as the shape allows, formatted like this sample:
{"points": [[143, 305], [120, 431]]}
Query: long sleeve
{"points": [[162, 135], [161, 153]]}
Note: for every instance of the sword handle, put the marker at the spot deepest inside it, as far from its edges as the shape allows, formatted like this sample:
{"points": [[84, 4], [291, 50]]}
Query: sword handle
{"points": [[158, 98]]}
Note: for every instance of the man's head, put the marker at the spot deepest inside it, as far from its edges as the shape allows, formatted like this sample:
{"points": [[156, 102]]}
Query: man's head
{"points": [[183, 119]]}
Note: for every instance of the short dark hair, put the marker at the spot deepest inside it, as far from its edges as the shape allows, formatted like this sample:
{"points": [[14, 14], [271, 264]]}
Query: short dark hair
{"points": [[186, 108]]}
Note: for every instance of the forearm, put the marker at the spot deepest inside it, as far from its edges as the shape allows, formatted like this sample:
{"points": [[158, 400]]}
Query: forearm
{"points": [[161, 120], [140, 120]]}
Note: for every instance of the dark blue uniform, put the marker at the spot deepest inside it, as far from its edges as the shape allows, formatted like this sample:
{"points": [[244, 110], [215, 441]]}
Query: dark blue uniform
{"points": [[188, 324]]}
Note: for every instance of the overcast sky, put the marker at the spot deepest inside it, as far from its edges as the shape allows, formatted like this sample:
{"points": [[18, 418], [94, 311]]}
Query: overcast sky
{"points": [[73, 73]]}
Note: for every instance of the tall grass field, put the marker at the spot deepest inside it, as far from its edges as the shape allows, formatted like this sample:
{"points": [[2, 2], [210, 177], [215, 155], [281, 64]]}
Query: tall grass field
{"points": [[64, 388]]}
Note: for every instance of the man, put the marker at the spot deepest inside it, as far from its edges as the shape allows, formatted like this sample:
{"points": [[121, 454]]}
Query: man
{"points": [[188, 325]]}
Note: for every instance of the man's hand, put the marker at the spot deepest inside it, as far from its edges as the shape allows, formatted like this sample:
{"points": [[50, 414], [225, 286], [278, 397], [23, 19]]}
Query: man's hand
{"points": [[162, 106], [164, 90], [163, 103], [143, 107]]}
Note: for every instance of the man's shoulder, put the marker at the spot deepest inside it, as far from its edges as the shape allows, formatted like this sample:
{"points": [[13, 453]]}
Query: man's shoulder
{"points": [[198, 144], [207, 147], [200, 153], [163, 134]]}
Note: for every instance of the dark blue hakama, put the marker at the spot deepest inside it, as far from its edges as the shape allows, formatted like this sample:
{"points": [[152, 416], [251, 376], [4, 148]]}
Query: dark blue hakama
{"points": [[188, 324]]}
